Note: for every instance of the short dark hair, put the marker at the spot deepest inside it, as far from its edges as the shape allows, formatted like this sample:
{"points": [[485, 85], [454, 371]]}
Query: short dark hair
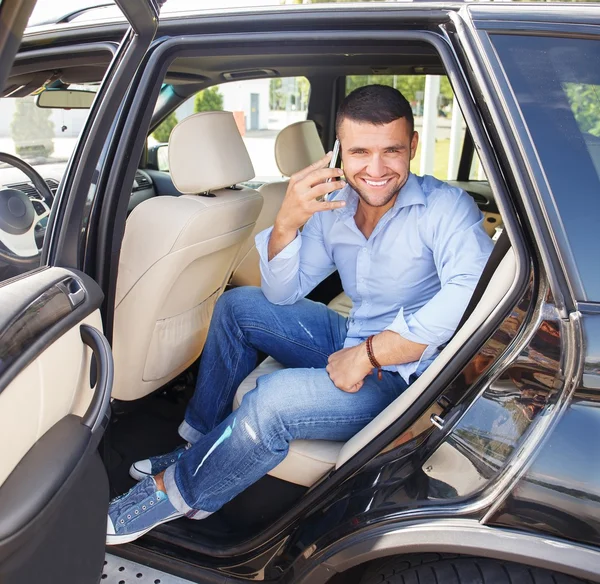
{"points": [[375, 104]]}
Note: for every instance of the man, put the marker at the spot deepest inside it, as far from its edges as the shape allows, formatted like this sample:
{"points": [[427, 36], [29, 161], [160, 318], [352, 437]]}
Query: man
{"points": [[409, 251]]}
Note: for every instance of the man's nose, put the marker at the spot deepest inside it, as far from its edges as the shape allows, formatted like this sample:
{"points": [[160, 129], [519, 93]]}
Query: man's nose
{"points": [[376, 168]]}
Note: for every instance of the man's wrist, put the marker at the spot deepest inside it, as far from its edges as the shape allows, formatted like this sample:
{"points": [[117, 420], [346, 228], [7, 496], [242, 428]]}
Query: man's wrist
{"points": [[284, 230], [365, 362], [280, 238]]}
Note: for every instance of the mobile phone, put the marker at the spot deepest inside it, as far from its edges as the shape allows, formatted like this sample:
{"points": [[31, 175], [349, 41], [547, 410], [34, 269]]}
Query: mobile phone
{"points": [[332, 164]]}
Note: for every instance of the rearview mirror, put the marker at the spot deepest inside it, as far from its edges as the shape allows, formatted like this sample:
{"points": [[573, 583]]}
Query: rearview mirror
{"points": [[65, 99]]}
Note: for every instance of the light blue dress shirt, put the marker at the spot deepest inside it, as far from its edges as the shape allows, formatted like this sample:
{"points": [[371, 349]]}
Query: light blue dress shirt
{"points": [[414, 275]]}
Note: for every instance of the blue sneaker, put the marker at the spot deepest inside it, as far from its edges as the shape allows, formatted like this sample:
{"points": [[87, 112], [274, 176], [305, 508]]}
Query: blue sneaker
{"points": [[156, 464], [138, 511]]}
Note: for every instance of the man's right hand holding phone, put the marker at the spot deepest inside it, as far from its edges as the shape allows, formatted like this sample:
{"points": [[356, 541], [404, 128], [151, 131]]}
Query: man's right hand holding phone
{"points": [[301, 201]]}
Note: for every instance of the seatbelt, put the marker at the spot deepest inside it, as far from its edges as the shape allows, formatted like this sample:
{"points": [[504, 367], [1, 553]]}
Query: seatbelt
{"points": [[498, 253]]}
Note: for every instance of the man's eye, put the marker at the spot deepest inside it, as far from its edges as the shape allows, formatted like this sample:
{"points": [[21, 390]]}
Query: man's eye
{"points": [[393, 150]]}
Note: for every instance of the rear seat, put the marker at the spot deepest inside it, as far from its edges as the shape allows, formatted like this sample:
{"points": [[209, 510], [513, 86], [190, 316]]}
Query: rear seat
{"points": [[308, 460], [296, 147]]}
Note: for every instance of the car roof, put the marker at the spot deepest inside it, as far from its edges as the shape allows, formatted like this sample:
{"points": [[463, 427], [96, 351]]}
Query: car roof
{"points": [[108, 13]]}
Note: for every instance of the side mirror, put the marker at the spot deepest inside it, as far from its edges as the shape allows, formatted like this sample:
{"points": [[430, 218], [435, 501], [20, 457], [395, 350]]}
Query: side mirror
{"points": [[158, 157], [65, 99]]}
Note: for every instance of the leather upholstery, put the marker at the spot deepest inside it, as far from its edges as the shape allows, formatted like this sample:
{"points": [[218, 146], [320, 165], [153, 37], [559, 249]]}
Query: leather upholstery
{"points": [[309, 460], [176, 258], [296, 147], [206, 152], [247, 270], [54, 385]]}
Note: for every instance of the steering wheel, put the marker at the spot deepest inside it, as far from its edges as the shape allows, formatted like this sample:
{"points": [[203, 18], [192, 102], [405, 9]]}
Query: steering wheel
{"points": [[20, 216]]}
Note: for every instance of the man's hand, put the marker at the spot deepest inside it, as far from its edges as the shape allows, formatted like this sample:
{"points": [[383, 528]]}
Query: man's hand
{"points": [[300, 202], [349, 367]]}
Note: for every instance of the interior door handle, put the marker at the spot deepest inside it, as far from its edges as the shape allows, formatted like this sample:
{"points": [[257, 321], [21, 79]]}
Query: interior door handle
{"points": [[98, 412], [73, 290]]}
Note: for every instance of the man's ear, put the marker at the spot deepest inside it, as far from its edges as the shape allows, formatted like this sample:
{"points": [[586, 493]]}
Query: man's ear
{"points": [[414, 143]]}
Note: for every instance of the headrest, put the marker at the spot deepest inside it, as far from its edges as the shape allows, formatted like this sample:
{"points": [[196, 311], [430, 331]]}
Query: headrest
{"points": [[297, 146], [206, 152]]}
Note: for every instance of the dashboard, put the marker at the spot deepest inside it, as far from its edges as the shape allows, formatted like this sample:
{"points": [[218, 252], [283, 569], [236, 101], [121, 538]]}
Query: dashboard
{"points": [[143, 186]]}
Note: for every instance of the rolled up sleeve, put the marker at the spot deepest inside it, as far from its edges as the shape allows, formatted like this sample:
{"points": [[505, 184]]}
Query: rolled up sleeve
{"points": [[412, 330]]}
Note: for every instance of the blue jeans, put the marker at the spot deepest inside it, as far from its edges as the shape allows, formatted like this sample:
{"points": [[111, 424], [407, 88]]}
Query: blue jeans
{"points": [[233, 450]]}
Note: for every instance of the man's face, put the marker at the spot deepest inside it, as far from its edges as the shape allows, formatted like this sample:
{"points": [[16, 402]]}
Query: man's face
{"points": [[377, 158]]}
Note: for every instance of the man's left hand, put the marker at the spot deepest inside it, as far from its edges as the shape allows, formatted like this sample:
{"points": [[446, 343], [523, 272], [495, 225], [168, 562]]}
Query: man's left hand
{"points": [[349, 367]]}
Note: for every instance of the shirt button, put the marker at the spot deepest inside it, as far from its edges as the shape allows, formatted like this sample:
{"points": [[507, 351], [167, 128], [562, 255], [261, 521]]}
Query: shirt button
{"points": [[364, 249]]}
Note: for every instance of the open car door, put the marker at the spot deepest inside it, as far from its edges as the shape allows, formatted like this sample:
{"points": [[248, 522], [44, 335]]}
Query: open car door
{"points": [[55, 363]]}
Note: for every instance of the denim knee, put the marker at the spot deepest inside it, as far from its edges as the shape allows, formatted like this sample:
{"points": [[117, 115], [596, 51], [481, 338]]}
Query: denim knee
{"points": [[275, 393], [238, 301]]}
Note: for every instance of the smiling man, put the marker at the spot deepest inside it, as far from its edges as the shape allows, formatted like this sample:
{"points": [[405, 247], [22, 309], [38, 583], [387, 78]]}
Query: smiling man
{"points": [[409, 251]]}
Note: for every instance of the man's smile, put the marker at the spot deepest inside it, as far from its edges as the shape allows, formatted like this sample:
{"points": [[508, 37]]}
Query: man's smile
{"points": [[376, 183]]}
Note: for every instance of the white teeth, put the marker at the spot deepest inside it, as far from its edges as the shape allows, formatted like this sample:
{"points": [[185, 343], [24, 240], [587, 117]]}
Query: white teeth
{"points": [[373, 183]]}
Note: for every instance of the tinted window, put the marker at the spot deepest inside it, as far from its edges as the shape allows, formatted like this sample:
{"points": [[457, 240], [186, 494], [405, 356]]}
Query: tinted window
{"points": [[556, 82]]}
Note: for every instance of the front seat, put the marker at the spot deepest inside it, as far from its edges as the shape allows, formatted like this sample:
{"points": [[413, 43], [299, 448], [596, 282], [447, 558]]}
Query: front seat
{"points": [[178, 252], [296, 147]]}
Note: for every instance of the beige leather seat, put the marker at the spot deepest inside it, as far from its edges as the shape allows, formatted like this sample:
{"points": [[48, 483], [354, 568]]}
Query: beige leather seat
{"points": [[296, 147], [178, 253], [308, 460]]}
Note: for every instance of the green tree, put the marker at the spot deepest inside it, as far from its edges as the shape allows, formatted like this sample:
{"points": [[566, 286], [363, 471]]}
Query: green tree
{"points": [[278, 97], [32, 129], [303, 85], [408, 85], [208, 100], [585, 104], [162, 132]]}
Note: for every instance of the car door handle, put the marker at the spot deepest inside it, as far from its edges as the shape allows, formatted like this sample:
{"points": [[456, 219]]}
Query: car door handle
{"points": [[98, 412]]}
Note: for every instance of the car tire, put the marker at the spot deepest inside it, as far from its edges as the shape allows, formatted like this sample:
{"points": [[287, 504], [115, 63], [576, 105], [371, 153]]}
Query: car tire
{"points": [[442, 569]]}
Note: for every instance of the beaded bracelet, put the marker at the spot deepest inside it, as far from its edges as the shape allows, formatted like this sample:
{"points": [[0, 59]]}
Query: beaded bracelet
{"points": [[371, 356]]}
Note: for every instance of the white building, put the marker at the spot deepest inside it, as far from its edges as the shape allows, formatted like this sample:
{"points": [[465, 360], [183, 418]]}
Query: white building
{"points": [[250, 97]]}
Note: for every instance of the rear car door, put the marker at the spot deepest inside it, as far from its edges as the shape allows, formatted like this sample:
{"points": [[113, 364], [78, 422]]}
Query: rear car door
{"points": [[55, 363]]}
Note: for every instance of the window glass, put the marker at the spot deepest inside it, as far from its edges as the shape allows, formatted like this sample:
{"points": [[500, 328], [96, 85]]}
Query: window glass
{"points": [[476, 172], [556, 82], [262, 107], [44, 138], [444, 140]]}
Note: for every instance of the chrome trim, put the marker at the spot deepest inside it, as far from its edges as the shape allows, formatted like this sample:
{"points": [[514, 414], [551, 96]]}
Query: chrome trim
{"points": [[574, 362], [437, 421], [588, 307]]}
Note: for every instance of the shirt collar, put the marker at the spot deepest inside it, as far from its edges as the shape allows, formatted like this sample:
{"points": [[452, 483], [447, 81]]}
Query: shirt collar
{"points": [[410, 194]]}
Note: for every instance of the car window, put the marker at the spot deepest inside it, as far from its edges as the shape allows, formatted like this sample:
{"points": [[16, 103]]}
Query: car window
{"points": [[447, 140], [556, 82], [261, 107], [44, 138]]}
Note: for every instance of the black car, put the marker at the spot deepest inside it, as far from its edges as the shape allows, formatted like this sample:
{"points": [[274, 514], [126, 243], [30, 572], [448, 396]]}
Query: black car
{"points": [[486, 470]]}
